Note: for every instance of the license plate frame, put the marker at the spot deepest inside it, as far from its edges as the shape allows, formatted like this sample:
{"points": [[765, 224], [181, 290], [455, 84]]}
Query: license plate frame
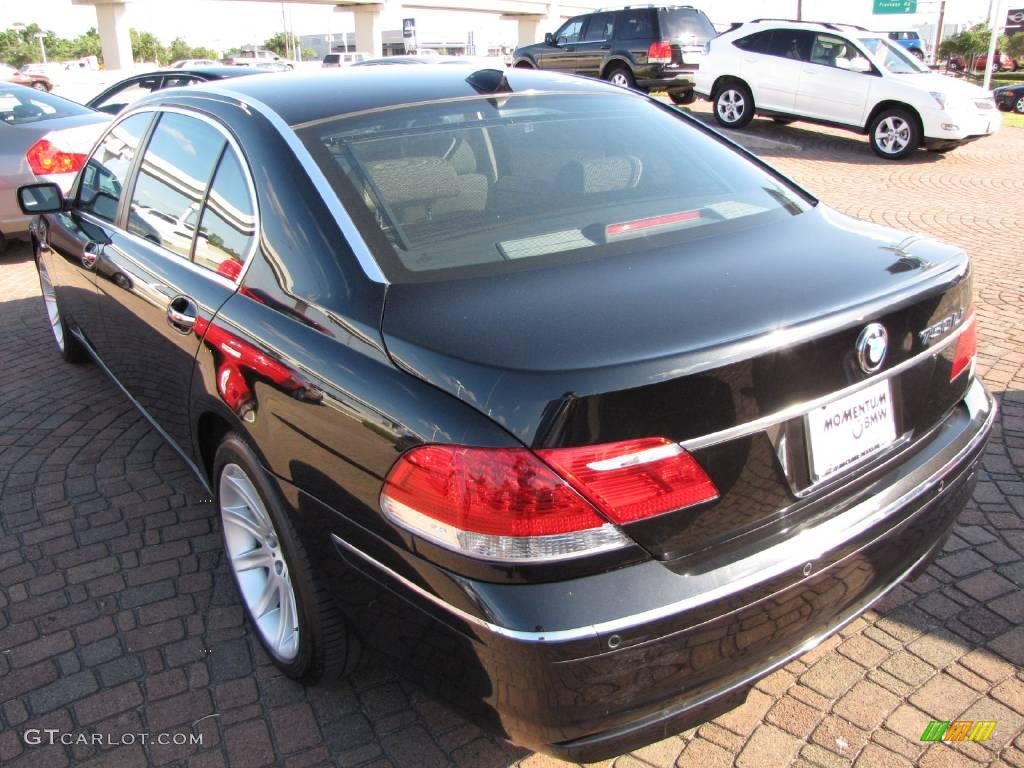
{"points": [[849, 430]]}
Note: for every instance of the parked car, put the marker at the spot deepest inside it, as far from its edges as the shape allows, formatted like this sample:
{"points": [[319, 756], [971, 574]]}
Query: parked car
{"points": [[42, 138], [841, 75], [344, 59], [1000, 62], [249, 58], [35, 80], [642, 47], [131, 89], [382, 378], [1010, 97], [191, 63], [910, 40]]}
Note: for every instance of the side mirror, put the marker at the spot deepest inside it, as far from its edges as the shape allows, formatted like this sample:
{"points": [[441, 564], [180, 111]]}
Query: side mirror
{"points": [[40, 198], [860, 64], [549, 39]]}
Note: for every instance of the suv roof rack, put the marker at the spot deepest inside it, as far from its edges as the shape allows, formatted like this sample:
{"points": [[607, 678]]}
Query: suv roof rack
{"points": [[826, 24], [637, 5]]}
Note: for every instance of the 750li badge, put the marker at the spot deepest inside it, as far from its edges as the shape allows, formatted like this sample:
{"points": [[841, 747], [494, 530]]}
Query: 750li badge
{"points": [[941, 328]]}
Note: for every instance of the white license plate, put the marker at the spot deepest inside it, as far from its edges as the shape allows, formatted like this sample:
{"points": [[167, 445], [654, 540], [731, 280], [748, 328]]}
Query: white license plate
{"points": [[850, 429]]}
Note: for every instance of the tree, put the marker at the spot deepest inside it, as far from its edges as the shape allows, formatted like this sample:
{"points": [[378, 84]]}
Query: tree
{"points": [[1015, 45], [281, 44], [969, 42], [146, 47]]}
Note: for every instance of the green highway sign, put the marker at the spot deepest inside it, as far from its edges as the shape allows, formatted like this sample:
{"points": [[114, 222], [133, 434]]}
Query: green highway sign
{"points": [[895, 6]]}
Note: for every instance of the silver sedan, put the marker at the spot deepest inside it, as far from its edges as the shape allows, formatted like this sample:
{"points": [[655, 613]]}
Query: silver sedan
{"points": [[42, 138]]}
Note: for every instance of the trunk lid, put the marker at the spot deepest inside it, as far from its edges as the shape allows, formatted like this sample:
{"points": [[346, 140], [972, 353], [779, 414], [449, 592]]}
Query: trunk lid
{"points": [[687, 344]]}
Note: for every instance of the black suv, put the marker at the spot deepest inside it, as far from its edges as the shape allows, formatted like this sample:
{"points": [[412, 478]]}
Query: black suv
{"points": [[646, 48]]}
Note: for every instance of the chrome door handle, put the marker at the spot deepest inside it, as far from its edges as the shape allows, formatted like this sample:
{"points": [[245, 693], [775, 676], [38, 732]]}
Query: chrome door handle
{"points": [[90, 254], [181, 314]]}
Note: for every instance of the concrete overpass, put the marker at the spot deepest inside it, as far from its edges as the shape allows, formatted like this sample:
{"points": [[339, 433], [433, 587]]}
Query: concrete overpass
{"points": [[534, 17]]}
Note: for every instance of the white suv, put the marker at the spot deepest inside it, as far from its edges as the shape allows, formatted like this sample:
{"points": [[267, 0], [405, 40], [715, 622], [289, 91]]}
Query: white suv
{"points": [[844, 76]]}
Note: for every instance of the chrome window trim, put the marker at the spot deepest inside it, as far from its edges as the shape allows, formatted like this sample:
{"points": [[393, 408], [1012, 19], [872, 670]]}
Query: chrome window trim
{"points": [[802, 409], [247, 172], [806, 546], [341, 217]]}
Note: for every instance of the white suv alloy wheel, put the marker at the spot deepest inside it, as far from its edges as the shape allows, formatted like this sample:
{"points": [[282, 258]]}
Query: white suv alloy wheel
{"points": [[731, 105]]}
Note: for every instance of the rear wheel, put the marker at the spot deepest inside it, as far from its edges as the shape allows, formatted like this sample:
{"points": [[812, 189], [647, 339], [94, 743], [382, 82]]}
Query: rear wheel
{"points": [[39, 85], [289, 606], [71, 349], [894, 134], [620, 76], [683, 97], [734, 105]]}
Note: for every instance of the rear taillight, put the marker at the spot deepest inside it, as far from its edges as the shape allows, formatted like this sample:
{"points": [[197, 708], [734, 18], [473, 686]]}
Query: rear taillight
{"points": [[507, 504], [659, 53], [966, 347], [634, 479], [44, 158]]}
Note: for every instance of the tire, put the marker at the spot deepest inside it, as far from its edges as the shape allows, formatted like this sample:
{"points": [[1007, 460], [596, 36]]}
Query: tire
{"points": [[683, 97], [620, 76], [1018, 106], [71, 349], [734, 105], [524, 65], [943, 150], [254, 520], [894, 133], [918, 53], [39, 85], [783, 120]]}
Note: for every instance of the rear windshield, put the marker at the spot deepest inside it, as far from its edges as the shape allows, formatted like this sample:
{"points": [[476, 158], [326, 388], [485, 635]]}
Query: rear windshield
{"points": [[488, 185], [27, 105], [680, 25]]}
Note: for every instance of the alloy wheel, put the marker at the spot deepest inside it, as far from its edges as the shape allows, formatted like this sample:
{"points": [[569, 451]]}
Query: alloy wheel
{"points": [[731, 106], [1019, 106], [892, 135], [52, 309], [254, 549], [619, 78]]}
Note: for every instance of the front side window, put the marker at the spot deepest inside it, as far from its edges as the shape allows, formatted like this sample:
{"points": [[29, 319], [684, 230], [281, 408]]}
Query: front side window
{"points": [[103, 178], [891, 57], [494, 184], [128, 94], [228, 224], [832, 51], [176, 81], [172, 181], [570, 33]]}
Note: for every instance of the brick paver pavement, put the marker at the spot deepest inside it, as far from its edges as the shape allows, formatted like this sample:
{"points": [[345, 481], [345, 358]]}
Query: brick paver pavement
{"points": [[118, 614]]}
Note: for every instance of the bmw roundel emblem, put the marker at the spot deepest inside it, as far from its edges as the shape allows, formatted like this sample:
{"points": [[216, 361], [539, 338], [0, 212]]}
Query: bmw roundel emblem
{"points": [[872, 344]]}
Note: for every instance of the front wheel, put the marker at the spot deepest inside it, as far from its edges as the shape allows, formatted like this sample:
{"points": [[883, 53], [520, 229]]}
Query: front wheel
{"points": [[894, 134], [289, 606], [71, 349], [1018, 106], [621, 77], [734, 105]]}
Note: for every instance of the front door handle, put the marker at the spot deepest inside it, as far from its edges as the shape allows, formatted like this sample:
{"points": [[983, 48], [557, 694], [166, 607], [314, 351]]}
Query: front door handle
{"points": [[90, 254], [181, 314]]}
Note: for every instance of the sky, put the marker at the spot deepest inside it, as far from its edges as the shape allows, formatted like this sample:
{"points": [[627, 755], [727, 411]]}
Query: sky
{"points": [[222, 24]]}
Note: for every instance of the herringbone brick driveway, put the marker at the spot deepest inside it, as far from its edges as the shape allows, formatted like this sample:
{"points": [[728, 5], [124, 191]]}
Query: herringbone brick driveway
{"points": [[118, 616]]}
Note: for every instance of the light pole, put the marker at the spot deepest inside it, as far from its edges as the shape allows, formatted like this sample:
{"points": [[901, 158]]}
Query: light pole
{"points": [[42, 48]]}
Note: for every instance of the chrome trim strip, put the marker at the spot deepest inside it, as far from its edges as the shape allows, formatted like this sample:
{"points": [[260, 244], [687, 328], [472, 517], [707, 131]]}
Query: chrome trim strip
{"points": [[222, 129], [341, 217], [802, 409], [804, 547]]}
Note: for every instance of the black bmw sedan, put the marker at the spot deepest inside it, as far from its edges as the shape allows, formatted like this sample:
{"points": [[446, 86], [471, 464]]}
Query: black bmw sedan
{"points": [[581, 414], [1010, 98]]}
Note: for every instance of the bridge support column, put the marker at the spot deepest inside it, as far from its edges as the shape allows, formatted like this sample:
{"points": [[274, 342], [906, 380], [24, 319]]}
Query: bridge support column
{"points": [[369, 33], [114, 35]]}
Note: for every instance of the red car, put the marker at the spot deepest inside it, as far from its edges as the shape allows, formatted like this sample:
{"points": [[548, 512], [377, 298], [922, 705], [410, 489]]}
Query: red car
{"points": [[11, 75], [1001, 62]]}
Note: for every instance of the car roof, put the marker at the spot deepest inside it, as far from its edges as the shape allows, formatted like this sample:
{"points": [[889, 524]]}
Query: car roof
{"points": [[301, 97], [800, 24], [212, 71]]}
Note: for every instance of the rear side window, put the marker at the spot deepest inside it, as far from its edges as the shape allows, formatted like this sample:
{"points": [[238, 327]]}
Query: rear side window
{"points": [[228, 223], [792, 44], [686, 25], [172, 181], [635, 24], [759, 42], [488, 185], [25, 105], [332, 58], [599, 28], [103, 178]]}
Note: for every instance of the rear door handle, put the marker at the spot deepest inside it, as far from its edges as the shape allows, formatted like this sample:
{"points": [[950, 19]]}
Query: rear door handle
{"points": [[606, 47], [181, 314], [90, 254]]}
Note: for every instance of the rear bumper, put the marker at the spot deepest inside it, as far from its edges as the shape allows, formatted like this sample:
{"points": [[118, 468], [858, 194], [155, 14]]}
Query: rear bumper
{"points": [[674, 80], [600, 665]]}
